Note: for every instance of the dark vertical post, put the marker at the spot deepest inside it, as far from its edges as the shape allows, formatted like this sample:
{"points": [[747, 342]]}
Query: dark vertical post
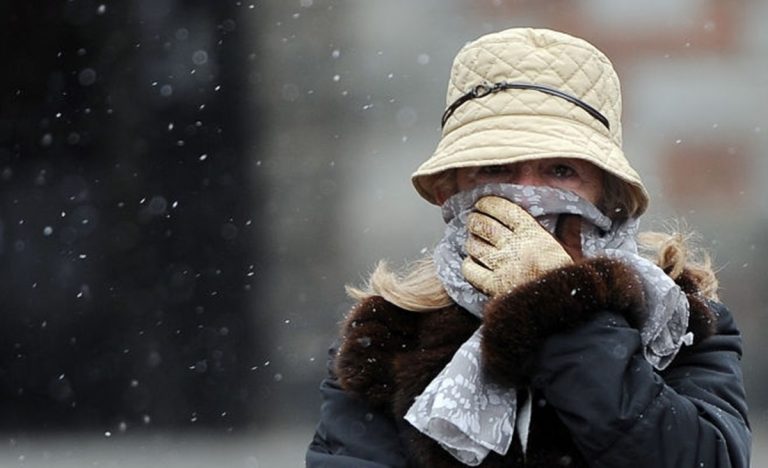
{"points": [[129, 221]]}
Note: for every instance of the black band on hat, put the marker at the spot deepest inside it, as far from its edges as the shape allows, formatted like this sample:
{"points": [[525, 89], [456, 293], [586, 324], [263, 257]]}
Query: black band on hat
{"points": [[483, 90]]}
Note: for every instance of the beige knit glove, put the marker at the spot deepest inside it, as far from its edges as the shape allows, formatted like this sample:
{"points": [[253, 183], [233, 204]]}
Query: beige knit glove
{"points": [[507, 247]]}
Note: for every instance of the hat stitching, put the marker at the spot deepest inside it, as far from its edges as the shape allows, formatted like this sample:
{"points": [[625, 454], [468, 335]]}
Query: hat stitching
{"points": [[449, 143], [570, 41], [593, 146], [561, 54], [589, 137], [566, 79]]}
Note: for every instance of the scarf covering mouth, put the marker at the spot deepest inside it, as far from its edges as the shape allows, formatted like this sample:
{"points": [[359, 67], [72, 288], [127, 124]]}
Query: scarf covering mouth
{"points": [[462, 409]]}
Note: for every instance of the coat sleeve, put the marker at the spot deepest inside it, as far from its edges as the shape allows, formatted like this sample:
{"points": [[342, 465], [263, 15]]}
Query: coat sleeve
{"points": [[621, 412], [351, 433]]}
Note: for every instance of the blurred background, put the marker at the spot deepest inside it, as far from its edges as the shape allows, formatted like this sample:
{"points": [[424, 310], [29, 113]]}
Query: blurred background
{"points": [[187, 185]]}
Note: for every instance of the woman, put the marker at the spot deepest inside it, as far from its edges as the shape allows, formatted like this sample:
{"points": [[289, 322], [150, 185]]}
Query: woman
{"points": [[534, 334]]}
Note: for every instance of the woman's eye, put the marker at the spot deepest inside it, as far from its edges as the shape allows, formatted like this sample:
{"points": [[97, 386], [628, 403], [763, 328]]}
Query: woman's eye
{"points": [[562, 171]]}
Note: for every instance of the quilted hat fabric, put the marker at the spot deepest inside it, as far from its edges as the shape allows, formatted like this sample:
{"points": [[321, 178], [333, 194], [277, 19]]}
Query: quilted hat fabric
{"points": [[514, 125]]}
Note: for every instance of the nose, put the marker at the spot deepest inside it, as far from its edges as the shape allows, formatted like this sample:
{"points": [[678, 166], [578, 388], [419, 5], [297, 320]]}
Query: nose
{"points": [[527, 174]]}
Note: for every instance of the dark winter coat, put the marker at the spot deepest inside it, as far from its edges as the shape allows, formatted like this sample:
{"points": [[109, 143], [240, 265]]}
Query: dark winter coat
{"points": [[573, 337]]}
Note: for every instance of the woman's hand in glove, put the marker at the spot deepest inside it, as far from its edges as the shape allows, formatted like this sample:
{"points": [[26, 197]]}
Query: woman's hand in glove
{"points": [[507, 247]]}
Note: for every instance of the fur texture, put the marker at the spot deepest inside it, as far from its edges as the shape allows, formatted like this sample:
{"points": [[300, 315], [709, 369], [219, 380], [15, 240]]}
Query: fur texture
{"points": [[388, 355], [372, 334], [559, 301], [702, 321]]}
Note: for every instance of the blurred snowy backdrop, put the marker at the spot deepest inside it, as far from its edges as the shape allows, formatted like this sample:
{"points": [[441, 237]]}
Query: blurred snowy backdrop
{"points": [[187, 185]]}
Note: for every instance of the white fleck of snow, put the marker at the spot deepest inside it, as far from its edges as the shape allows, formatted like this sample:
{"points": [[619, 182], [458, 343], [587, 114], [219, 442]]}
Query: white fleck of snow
{"points": [[101, 10], [87, 76], [200, 57]]}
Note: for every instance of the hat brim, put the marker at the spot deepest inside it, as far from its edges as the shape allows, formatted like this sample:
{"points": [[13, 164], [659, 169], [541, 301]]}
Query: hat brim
{"points": [[506, 139]]}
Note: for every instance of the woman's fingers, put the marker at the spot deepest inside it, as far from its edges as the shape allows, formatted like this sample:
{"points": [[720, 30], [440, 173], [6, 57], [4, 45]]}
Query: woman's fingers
{"points": [[485, 253], [509, 214], [478, 276], [487, 228]]}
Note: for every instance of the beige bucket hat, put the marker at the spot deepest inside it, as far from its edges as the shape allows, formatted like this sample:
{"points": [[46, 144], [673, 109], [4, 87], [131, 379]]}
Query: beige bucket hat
{"points": [[525, 94]]}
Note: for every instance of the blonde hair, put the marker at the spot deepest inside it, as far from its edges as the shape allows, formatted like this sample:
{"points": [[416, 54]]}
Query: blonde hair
{"points": [[417, 287], [677, 252]]}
